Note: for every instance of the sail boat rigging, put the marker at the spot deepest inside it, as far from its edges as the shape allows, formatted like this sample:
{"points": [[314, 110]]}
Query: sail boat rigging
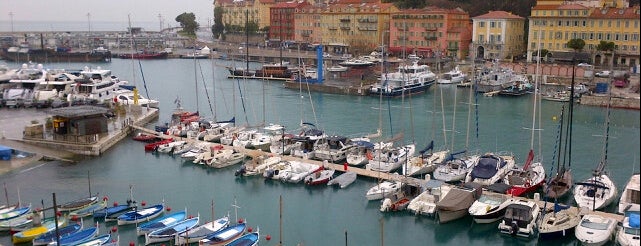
{"points": [[598, 191]]}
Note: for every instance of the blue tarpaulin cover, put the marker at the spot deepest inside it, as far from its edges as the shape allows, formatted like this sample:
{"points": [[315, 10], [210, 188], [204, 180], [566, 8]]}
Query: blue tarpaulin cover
{"points": [[5, 153], [634, 220]]}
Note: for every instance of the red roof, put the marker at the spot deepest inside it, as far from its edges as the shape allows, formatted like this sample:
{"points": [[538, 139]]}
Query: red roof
{"points": [[498, 15], [572, 6], [614, 13]]}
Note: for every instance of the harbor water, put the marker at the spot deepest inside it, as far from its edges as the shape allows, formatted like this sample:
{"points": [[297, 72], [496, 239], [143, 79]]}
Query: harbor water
{"points": [[320, 215]]}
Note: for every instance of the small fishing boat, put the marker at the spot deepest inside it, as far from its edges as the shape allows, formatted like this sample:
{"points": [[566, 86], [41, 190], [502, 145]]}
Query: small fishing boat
{"points": [[298, 171], [343, 180], [28, 235], [138, 216], [88, 210], [99, 240], [77, 237], [629, 232], [78, 204], [595, 230], [200, 232], [160, 222], [114, 216], [50, 236], [14, 213], [337, 68], [521, 217], [399, 200], [169, 232], [169, 147], [108, 211], [249, 239], [154, 145], [319, 177], [224, 236], [17, 224]]}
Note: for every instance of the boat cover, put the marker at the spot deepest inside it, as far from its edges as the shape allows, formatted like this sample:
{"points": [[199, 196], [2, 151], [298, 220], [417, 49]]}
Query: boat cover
{"points": [[5, 153], [456, 199], [364, 144], [634, 220], [499, 187], [486, 167]]}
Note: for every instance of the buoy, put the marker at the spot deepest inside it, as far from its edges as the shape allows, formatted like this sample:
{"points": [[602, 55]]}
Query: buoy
{"points": [[268, 237], [74, 217], [250, 229], [131, 244], [240, 221], [115, 204], [143, 203], [168, 209], [38, 209], [114, 229], [105, 198], [190, 216], [58, 214]]}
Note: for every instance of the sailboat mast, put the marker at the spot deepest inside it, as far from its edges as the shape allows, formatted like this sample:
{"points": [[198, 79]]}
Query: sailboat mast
{"points": [[280, 221], [607, 135], [6, 194], [133, 48], [571, 113], [89, 182], [246, 42]]}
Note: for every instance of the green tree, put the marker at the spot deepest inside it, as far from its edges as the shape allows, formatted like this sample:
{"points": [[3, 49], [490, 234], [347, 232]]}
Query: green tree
{"points": [[218, 28], [576, 44], [607, 47], [188, 23]]}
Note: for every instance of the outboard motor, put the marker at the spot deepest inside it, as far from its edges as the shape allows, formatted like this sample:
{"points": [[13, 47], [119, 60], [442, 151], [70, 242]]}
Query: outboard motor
{"points": [[240, 171]]}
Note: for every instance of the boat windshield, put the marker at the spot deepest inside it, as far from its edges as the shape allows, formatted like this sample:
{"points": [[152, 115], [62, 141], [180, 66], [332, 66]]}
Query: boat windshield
{"points": [[632, 231], [447, 76], [596, 225], [490, 200]]}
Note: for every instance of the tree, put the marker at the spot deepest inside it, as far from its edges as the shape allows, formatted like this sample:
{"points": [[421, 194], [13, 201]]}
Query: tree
{"points": [[576, 44], [605, 47], [188, 23], [218, 28]]}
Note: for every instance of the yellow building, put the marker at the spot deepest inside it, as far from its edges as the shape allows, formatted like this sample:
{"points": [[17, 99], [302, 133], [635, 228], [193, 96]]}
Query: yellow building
{"points": [[554, 23], [498, 35], [237, 13]]}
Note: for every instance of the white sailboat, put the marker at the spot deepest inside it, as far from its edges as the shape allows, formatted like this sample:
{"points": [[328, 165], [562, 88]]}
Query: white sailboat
{"points": [[598, 191], [631, 196]]}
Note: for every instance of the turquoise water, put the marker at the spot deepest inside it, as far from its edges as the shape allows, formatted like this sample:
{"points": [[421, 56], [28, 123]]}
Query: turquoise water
{"points": [[320, 215]]}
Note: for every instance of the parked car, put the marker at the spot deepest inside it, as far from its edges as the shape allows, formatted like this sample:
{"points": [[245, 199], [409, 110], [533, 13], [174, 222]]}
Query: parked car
{"points": [[603, 74]]}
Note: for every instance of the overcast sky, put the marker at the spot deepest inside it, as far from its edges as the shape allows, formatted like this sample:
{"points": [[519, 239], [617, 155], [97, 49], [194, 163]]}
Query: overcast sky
{"points": [[104, 10]]}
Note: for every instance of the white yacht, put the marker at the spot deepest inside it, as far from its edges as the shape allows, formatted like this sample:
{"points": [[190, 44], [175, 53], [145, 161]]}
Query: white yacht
{"points": [[595, 230], [629, 232], [521, 218], [425, 203], [409, 79], [490, 168], [22, 85], [488, 208], [97, 85], [454, 76], [391, 158], [631, 196], [126, 97]]}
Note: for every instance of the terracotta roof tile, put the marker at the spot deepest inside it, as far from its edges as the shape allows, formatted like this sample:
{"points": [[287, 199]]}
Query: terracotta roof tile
{"points": [[498, 15], [614, 13]]}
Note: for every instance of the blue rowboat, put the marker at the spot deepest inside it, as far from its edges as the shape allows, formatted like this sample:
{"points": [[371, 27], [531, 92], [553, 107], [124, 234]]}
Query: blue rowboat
{"points": [[249, 239], [161, 222], [75, 238], [144, 214], [98, 240], [225, 235], [169, 232], [17, 224], [50, 236], [107, 211], [200, 232], [14, 213]]}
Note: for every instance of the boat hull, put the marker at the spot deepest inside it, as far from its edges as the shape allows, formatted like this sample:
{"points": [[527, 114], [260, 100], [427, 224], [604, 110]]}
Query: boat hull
{"points": [[447, 216]]}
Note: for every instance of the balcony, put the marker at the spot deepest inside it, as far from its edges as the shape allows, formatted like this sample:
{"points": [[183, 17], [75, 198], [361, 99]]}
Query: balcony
{"points": [[367, 28], [345, 28], [366, 20], [332, 28], [430, 38], [344, 19]]}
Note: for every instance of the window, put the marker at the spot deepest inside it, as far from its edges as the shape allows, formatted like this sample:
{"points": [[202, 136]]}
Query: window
{"points": [[567, 23], [533, 45], [599, 36], [481, 24], [584, 23], [498, 38], [591, 36], [492, 24], [560, 23], [481, 38], [607, 36], [616, 37], [576, 23], [499, 24]]}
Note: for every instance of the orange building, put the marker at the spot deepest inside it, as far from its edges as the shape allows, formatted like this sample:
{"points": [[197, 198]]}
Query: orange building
{"points": [[430, 32]]}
